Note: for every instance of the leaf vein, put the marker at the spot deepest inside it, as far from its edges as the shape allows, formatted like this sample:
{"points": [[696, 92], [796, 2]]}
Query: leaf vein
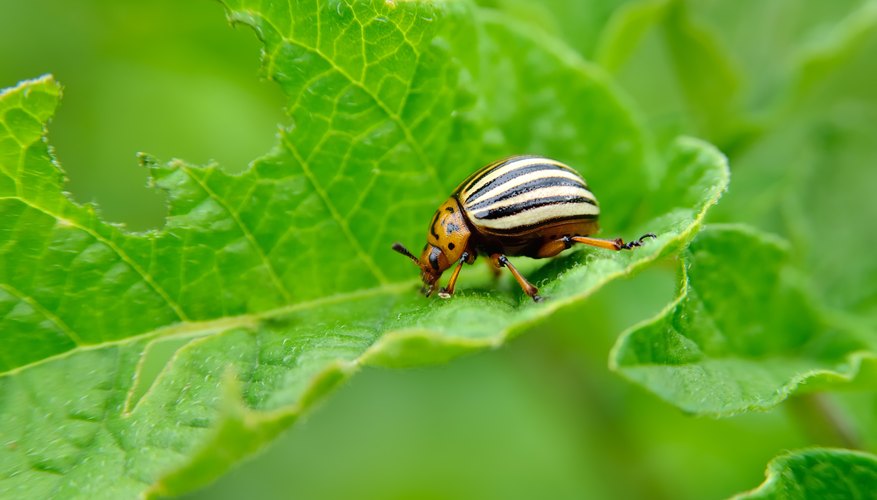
{"points": [[193, 329], [275, 279], [393, 116], [366, 258], [36, 305], [115, 248]]}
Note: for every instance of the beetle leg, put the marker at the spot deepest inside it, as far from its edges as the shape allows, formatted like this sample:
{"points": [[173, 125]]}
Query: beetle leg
{"points": [[447, 291], [500, 260], [616, 244], [554, 247]]}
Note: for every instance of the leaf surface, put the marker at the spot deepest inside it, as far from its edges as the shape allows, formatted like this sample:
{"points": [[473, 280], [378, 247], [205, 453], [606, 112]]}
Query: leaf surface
{"points": [[804, 178], [744, 333], [676, 67], [818, 473], [151, 362]]}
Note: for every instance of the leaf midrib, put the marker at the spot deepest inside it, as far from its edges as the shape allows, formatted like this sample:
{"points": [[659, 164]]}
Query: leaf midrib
{"points": [[195, 329]]}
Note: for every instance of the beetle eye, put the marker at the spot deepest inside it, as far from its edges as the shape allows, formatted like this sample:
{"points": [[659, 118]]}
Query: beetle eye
{"points": [[433, 258]]}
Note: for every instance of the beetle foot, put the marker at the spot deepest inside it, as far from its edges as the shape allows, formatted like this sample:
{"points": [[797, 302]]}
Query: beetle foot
{"points": [[538, 298], [445, 294], [621, 245]]}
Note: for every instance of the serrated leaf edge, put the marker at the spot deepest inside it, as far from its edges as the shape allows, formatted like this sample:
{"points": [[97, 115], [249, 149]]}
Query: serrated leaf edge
{"points": [[776, 467], [854, 359]]}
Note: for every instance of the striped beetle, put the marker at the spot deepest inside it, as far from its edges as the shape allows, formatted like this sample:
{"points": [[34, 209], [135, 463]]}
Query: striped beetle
{"points": [[522, 205]]}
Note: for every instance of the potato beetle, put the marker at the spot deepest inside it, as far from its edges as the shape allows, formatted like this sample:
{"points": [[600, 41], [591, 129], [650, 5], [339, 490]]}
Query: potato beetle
{"points": [[521, 205]]}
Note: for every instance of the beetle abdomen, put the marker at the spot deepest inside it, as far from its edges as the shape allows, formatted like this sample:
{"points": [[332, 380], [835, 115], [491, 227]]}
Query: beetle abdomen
{"points": [[524, 193]]}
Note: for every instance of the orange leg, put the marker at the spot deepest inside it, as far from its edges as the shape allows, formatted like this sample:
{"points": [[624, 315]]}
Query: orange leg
{"points": [[553, 248], [447, 291], [500, 260]]}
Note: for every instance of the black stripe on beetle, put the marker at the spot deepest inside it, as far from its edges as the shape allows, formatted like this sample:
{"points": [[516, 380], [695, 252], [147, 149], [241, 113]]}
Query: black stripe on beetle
{"points": [[488, 169], [513, 174], [526, 187], [552, 222], [519, 208]]}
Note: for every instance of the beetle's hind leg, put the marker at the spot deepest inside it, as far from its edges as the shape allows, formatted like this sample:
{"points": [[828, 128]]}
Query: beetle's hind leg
{"points": [[554, 247], [499, 260]]}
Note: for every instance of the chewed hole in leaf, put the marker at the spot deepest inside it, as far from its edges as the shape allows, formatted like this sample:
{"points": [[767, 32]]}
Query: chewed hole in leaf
{"points": [[160, 89]]}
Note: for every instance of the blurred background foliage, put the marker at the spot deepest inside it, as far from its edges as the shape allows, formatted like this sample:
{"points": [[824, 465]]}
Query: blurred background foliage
{"points": [[787, 88]]}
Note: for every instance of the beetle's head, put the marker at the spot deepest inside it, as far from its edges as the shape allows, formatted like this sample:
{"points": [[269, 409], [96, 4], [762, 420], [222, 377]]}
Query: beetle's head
{"points": [[432, 264], [446, 242]]}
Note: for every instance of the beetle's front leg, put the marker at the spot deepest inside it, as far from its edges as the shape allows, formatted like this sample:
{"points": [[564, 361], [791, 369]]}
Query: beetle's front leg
{"points": [[500, 260], [447, 291]]}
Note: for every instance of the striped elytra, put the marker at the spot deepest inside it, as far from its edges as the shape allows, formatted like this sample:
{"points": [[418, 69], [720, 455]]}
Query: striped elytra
{"points": [[523, 194], [522, 205]]}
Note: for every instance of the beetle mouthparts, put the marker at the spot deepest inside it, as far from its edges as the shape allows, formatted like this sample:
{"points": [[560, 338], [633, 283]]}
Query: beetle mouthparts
{"points": [[426, 290]]}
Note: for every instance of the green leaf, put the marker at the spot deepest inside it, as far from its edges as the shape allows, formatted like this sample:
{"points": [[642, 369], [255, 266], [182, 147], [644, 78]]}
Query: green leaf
{"points": [[818, 473], [804, 178], [150, 362], [744, 333], [578, 23], [786, 46], [676, 68]]}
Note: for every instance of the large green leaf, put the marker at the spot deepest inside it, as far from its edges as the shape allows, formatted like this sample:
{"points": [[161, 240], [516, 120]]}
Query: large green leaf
{"points": [[796, 122], [744, 332], [579, 23], [677, 69], [786, 43], [137, 362], [818, 473], [805, 178]]}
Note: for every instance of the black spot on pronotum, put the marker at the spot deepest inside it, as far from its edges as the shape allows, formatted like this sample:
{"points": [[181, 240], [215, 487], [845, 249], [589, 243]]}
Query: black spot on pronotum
{"points": [[451, 246], [450, 209], [432, 225]]}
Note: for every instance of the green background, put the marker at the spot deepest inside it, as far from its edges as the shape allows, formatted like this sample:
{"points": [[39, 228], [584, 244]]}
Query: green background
{"points": [[542, 416]]}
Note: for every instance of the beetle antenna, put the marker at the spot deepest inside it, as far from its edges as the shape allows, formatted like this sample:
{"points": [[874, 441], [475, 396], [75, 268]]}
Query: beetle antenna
{"points": [[404, 251]]}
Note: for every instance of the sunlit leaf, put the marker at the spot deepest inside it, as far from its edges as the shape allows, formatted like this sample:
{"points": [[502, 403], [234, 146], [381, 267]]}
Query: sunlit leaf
{"points": [[267, 288]]}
